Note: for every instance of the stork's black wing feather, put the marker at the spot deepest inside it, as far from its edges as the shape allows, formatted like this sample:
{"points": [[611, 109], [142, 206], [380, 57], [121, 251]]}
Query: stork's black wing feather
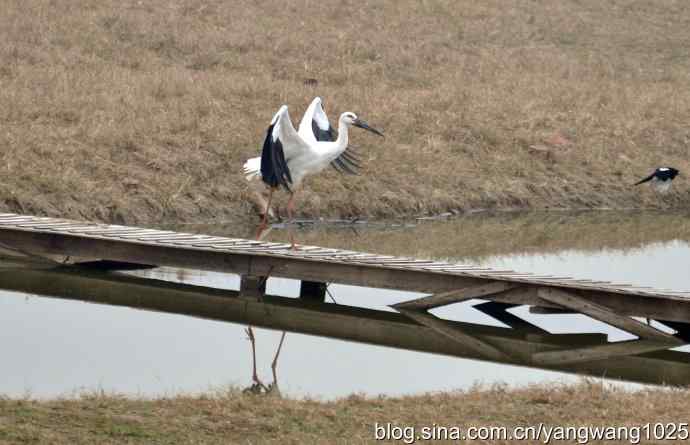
{"points": [[351, 157], [648, 178], [274, 169], [323, 135], [342, 167], [347, 162]]}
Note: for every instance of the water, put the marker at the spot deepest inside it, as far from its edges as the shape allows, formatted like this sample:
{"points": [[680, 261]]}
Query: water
{"points": [[56, 347]]}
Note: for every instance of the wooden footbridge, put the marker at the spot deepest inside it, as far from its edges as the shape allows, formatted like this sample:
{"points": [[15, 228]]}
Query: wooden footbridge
{"points": [[72, 246]]}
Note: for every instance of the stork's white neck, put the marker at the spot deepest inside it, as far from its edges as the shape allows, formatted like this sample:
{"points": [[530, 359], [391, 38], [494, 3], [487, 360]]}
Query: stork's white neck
{"points": [[342, 141]]}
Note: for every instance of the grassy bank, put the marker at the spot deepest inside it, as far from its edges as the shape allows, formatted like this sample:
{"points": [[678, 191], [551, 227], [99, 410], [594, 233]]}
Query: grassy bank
{"points": [[145, 111], [233, 417]]}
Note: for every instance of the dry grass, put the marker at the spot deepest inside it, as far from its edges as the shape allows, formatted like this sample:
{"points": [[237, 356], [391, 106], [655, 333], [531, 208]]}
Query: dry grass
{"points": [[144, 111], [233, 417]]}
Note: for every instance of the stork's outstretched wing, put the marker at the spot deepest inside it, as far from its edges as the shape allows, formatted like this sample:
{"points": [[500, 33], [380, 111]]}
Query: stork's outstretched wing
{"points": [[315, 126], [281, 144], [348, 162]]}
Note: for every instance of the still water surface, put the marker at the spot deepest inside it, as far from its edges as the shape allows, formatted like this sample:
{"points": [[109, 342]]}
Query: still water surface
{"points": [[56, 347]]}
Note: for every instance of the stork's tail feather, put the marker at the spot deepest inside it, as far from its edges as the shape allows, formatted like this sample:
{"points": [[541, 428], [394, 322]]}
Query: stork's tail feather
{"points": [[252, 169]]}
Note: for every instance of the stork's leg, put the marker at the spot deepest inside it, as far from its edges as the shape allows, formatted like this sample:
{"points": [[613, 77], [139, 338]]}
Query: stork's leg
{"points": [[291, 205], [274, 365], [291, 216], [264, 221], [258, 195], [258, 384]]}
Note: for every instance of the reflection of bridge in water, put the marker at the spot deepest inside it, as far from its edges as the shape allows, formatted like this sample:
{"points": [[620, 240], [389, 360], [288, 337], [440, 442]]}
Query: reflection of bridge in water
{"points": [[413, 327]]}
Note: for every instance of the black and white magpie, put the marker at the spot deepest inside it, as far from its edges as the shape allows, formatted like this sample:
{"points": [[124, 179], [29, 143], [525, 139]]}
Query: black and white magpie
{"points": [[661, 178]]}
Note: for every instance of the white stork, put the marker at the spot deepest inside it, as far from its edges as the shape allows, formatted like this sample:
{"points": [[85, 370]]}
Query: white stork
{"points": [[315, 127], [661, 178], [288, 155]]}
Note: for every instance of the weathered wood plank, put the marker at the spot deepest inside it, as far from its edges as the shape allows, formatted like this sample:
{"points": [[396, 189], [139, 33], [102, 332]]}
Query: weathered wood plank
{"points": [[499, 312], [226, 261], [602, 313], [153, 236], [456, 296], [484, 349], [106, 231], [199, 242], [551, 310], [11, 220], [231, 244], [678, 309], [332, 265], [598, 352], [42, 225]]}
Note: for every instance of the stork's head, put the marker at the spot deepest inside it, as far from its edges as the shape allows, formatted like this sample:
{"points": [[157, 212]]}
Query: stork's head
{"points": [[350, 118]]}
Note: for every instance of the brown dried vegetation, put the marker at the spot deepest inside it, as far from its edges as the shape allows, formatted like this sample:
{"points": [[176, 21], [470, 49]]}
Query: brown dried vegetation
{"points": [[233, 417], [145, 111]]}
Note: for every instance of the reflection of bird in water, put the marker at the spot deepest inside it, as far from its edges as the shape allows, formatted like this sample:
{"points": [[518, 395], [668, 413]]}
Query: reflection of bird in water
{"points": [[258, 385], [661, 179], [288, 156]]}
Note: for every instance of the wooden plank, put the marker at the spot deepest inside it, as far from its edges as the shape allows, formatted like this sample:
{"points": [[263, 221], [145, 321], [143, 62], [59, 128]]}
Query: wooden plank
{"points": [[326, 253], [344, 255], [236, 242], [137, 236], [104, 231], [236, 262], [42, 225], [171, 236], [602, 313], [355, 256], [598, 352], [155, 235], [456, 296], [494, 273], [266, 246], [11, 220], [401, 260], [499, 312], [128, 232], [76, 227], [211, 241], [484, 349], [629, 301], [190, 242], [307, 248], [550, 310], [651, 306]]}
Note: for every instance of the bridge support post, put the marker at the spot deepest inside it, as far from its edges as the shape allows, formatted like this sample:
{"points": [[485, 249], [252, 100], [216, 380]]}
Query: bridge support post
{"points": [[313, 291], [252, 286]]}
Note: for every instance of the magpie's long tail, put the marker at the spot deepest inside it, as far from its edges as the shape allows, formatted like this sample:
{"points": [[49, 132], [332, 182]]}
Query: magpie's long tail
{"points": [[648, 178]]}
